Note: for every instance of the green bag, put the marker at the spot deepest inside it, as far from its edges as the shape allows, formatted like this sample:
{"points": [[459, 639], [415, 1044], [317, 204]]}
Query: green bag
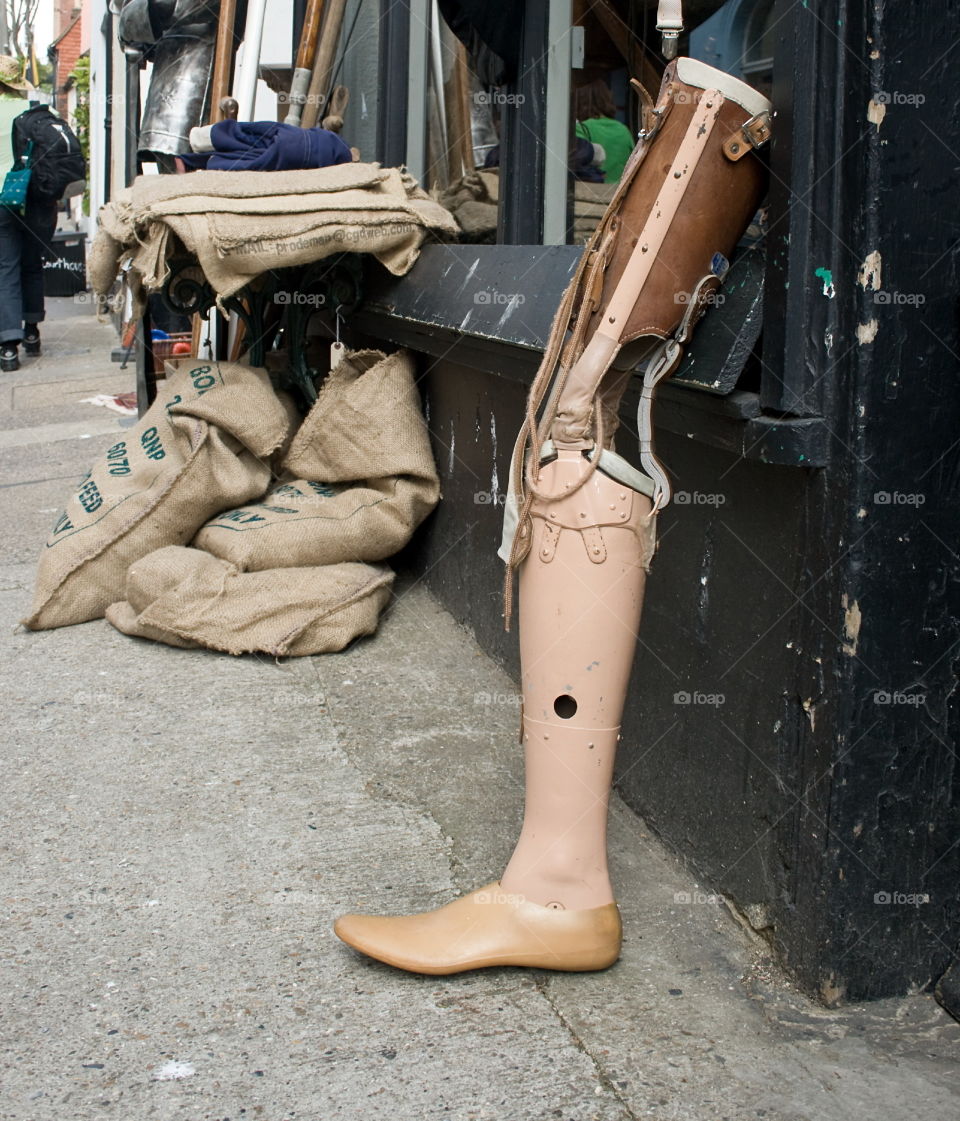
{"points": [[16, 183]]}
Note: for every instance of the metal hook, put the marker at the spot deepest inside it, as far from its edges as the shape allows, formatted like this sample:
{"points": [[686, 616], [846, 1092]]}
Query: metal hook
{"points": [[338, 350]]}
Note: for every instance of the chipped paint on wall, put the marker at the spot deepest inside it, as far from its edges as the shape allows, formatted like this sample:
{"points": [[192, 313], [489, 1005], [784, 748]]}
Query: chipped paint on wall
{"points": [[876, 111], [470, 274], [494, 477], [852, 618], [827, 277], [867, 332], [515, 301], [870, 274]]}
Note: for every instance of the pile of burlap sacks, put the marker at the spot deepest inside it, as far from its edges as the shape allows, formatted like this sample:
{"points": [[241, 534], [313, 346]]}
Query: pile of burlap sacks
{"points": [[224, 520], [240, 224]]}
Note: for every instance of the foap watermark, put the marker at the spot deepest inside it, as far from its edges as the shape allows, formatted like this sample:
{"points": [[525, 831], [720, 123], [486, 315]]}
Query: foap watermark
{"points": [[689, 96], [899, 97], [97, 99], [711, 899], [488, 498], [87, 698], [498, 97], [285, 699], [491, 297], [885, 697], [84, 297], [513, 700], [708, 298], [901, 898], [898, 498], [900, 299], [698, 498], [507, 898], [684, 697], [284, 98], [300, 299]]}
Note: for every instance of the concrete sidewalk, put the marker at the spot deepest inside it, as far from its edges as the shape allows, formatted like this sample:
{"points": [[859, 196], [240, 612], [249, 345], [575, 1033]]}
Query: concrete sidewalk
{"points": [[179, 829]]}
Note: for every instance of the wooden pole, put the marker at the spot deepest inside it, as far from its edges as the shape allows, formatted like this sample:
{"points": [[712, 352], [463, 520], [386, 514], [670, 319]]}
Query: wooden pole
{"points": [[306, 54], [223, 59], [323, 63], [457, 97]]}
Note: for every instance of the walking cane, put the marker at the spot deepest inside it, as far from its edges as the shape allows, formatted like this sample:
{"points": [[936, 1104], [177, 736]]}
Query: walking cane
{"points": [[306, 53]]}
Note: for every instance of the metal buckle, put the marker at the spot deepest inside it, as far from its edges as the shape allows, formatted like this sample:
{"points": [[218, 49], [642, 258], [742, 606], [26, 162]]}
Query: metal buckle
{"points": [[757, 129], [752, 135]]}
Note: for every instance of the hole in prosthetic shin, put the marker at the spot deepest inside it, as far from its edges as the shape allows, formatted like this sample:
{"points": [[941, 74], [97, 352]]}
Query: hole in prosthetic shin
{"points": [[565, 707]]}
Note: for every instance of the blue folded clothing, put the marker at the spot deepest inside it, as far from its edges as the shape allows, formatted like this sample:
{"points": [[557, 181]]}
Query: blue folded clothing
{"points": [[268, 146]]}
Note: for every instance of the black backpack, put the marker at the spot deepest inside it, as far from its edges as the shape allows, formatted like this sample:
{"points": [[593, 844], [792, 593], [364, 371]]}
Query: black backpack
{"points": [[57, 160]]}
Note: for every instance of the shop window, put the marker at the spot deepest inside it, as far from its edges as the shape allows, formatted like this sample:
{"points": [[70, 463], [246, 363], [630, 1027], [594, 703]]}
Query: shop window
{"points": [[571, 65], [758, 47], [463, 120]]}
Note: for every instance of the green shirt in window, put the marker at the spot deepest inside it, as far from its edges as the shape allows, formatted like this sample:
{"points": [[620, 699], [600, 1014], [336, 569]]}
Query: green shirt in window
{"points": [[615, 139]]}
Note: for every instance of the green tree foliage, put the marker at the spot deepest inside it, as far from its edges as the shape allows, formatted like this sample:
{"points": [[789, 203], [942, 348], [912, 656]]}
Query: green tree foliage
{"points": [[80, 76]]}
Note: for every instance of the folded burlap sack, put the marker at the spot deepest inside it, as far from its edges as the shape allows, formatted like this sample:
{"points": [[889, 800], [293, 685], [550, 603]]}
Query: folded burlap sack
{"points": [[364, 476], [241, 224], [185, 597], [201, 448]]}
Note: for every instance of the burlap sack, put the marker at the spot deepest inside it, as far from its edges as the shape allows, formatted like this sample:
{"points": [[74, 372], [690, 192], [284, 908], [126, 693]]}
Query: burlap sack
{"points": [[201, 448], [103, 262], [185, 597], [240, 224], [365, 476]]}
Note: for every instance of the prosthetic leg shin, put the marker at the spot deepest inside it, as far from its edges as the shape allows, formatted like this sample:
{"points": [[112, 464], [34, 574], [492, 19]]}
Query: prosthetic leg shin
{"points": [[581, 527]]}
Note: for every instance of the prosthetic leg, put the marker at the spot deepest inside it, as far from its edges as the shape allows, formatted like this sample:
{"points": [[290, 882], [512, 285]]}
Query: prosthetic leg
{"points": [[581, 527]]}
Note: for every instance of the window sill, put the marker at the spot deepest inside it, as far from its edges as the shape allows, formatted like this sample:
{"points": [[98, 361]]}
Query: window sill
{"points": [[490, 307]]}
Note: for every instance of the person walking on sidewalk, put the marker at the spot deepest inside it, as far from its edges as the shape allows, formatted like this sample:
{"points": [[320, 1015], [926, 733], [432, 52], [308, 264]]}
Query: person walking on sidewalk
{"points": [[24, 239]]}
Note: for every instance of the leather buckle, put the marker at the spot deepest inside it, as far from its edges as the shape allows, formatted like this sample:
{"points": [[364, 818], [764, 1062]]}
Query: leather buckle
{"points": [[748, 138]]}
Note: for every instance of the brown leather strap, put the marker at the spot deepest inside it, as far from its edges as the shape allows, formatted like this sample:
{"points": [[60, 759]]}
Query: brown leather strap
{"points": [[646, 105], [753, 135]]}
